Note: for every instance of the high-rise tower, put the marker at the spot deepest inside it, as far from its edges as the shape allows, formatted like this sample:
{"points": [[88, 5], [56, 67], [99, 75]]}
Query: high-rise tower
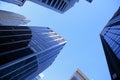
{"points": [[10, 18], [110, 37], [27, 51], [57, 5]]}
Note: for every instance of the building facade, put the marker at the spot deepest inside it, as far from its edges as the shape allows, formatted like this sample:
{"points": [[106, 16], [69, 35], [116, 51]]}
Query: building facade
{"points": [[57, 5], [25, 52], [110, 37], [78, 75], [10, 18]]}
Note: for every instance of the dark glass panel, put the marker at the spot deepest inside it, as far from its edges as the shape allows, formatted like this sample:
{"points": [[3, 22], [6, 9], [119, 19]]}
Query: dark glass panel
{"points": [[13, 46], [7, 33], [16, 66], [14, 38], [15, 55]]}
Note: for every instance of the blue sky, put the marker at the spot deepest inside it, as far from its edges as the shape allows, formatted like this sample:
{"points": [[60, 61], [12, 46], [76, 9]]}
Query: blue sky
{"points": [[80, 26]]}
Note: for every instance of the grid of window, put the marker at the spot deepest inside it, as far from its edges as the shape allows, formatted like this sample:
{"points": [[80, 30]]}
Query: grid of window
{"points": [[114, 20], [110, 37]]}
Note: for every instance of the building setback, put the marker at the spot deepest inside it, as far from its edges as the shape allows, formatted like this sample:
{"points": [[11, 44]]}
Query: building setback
{"points": [[57, 5], [78, 75], [110, 37], [27, 51]]}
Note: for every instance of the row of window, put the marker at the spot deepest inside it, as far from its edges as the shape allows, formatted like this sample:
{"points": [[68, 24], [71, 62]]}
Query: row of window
{"points": [[115, 27], [58, 4], [114, 31], [114, 46], [13, 28], [114, 37], [116, 19], [19, 69]]}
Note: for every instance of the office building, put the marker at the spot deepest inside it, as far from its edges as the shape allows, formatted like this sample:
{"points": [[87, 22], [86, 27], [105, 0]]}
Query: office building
{"points": [[57, 5], [25, 52], [10, 18], [78, 75], [110, 37]]}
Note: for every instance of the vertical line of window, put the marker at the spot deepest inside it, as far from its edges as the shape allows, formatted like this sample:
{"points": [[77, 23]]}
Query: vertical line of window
{"points": [[61, 5]]}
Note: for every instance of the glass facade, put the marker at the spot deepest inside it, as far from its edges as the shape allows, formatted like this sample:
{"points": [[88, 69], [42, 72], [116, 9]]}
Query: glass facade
{"points": [[110, 37], [27, 51]]}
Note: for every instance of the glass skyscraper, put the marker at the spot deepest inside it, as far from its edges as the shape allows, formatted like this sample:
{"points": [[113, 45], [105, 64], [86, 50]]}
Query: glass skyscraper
{"points": [[110, 37], [11, 18], [57, 5], [27, 51]]}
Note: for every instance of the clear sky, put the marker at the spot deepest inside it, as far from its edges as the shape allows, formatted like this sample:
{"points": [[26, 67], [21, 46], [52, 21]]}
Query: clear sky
{"points": [[80, 26]]}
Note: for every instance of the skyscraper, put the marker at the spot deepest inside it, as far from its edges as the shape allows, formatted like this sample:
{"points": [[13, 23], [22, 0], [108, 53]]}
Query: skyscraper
{"points": [[57, 5], [27, 51], [78, 75], [10, 18], [110, 37]]}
